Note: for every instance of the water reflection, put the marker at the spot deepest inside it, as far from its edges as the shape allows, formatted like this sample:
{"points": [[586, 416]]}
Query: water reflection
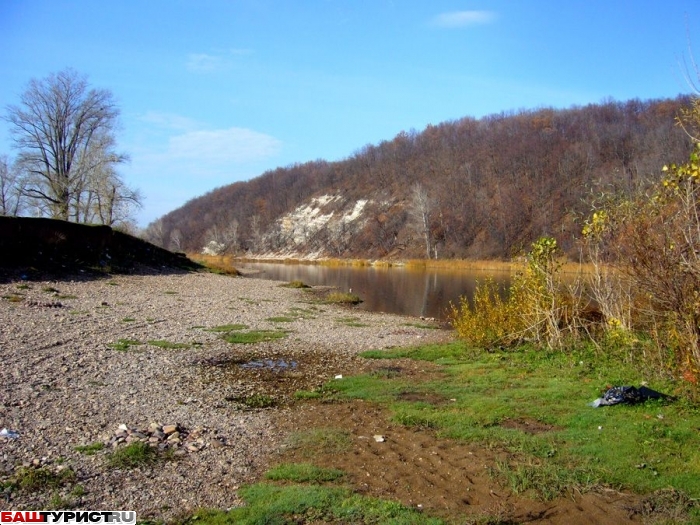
{"points": [[409, 291]]}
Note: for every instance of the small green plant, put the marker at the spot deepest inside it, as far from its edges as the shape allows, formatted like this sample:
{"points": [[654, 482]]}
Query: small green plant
{"points": [[295, 284], [123, 345], [128, 320], [254, 336], [303, 473], [342, 298], [91, 449], [256, 401], [50, 289], [23, 286], [320, 440], [170, 292], [37, 479], [133, 455], [307, 394], [351, 321], [13, 298], [281, 319], [161, 343], [226, 328]]}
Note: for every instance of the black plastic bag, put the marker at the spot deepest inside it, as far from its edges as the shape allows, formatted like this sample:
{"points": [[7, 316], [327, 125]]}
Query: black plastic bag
{"points": [[627, 394]]}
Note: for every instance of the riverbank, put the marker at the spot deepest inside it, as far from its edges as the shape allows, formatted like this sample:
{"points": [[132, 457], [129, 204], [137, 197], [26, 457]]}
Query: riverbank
{"points": [[83, 357]]}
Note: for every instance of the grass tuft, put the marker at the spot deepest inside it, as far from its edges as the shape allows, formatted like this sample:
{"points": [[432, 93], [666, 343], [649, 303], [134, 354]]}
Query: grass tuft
{"points": [[254, 336], [133, 455], [342, 298]]}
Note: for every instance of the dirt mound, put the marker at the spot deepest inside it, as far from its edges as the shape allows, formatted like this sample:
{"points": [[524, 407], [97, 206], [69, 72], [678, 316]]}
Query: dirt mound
{"points": [[36, 246]]}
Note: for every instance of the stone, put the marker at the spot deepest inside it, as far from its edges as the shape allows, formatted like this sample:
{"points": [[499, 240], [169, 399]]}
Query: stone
{"points": [[379, 438], [169, 429]]}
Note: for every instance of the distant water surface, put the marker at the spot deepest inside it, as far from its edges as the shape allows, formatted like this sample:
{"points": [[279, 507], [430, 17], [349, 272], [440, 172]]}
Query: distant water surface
{"points": [[407, 291]]}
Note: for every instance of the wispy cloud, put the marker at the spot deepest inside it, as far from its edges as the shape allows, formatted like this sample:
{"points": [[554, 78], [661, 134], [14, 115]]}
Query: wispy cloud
{"points": [[222, 147], [204, 63], [211, 62], [456, 19], [169, 121]]}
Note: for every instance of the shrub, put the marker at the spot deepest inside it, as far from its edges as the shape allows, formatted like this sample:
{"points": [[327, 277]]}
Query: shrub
{"points": [[536, 307]]}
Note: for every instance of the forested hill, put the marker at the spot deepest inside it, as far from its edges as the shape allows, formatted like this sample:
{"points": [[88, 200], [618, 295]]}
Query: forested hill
{"points": [[479, 188]]}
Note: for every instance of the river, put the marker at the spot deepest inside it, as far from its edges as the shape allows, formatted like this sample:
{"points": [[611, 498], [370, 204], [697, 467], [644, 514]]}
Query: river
{"points": [[410, 291]]}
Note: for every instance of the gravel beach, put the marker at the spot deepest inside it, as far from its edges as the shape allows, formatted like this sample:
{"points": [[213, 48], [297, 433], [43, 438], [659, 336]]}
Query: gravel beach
{"points": [[134, 358]]}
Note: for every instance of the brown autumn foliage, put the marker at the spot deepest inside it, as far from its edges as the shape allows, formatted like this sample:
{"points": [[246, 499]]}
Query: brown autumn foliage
{"points": [[494, 185]]}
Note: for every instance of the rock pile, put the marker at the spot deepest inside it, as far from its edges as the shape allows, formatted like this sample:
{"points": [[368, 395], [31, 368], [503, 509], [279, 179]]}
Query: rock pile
{"points": [[174, 437]]}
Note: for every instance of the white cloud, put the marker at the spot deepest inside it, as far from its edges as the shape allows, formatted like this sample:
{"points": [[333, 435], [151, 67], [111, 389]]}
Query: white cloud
{"points": [[463, 18], [209, 63], [170, 121], [203, 63], [223, 146]]}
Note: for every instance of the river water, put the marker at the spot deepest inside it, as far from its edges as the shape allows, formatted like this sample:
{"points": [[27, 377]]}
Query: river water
{"points": [[408, 291]]}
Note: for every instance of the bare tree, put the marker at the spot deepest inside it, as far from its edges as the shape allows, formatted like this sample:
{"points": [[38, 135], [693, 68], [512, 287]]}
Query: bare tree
{"points": [[421, 209], [11, 187], [64, 132]]}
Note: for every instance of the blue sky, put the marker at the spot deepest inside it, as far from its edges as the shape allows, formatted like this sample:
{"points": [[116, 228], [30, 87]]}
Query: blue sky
{"points": [[215, 91]]}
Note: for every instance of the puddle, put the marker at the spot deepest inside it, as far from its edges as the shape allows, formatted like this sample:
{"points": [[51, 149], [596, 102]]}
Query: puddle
{"points": [[276, 365]]}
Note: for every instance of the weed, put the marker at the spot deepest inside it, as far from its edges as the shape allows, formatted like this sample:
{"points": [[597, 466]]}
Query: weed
{"points": [[128, 320], [133, 455], [123, 345], [254, 336], [161, 343], [303, 473], [350, 321], [295, 284], [544, 480], [307, 394], [281, 319], [50, 289], [226, 328], [36, 479], [170, 292], [23, 286], [255, 401], [13, 298], [423, 326], [78, 491], [342, 298], [91, 449]]}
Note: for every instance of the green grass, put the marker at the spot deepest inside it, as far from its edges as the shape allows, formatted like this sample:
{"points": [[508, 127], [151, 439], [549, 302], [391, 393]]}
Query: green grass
{"points": [[254, 336], [295, 284], [92, 448], [133, 455], [274, 505], [303, 473], [226, 328], [424, 326], [342, 298], [161, 343], [281, 319], [39, 479], [494, 398], [124, 345], [350, 321], [255, 401]]}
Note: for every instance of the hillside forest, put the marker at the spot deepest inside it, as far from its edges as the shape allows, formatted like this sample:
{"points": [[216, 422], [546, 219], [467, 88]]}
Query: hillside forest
{"points": [[469, 188]]}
